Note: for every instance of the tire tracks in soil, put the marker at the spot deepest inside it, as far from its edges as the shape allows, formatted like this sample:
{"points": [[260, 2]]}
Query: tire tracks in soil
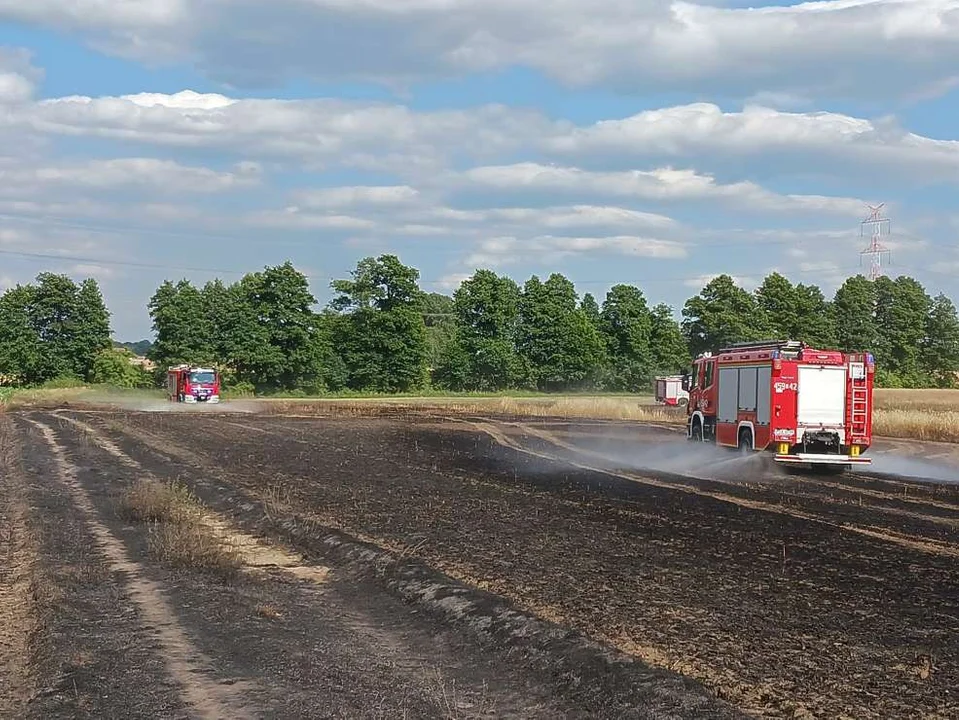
{"points": [[808, 488], [489, 427], [817, 482], [255, 553], [185, 663], [796, 491], [20, 619], [724, 685], [493, 429], [417, 670], [454, 607], [750, 696], [293, 433]]}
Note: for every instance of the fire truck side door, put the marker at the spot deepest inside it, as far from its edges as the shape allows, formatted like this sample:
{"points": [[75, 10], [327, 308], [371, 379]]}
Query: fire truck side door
{"points": [[709, 369]]}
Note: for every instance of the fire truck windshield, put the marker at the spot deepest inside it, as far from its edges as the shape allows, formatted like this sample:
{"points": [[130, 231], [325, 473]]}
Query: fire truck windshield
{"points": [[201, 378]]}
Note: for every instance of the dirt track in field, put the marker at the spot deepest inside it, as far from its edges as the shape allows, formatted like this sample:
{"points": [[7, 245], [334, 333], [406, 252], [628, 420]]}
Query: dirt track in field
{"points": [[431, 567]]}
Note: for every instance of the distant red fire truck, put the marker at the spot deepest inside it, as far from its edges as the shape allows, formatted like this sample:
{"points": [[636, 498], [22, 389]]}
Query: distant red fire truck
{"points": [[191, 384], [807, 406], [669, 390]]}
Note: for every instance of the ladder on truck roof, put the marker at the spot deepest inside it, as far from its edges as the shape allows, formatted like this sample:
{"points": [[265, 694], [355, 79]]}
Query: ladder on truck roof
{"points": [[789, 346]]}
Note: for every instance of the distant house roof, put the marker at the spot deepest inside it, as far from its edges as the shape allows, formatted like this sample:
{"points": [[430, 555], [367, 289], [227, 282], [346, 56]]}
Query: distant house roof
{"points": [[143, 362]]}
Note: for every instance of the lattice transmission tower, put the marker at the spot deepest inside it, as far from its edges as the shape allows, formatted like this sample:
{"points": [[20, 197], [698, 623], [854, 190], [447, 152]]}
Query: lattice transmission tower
{"points": [[878, 227]]}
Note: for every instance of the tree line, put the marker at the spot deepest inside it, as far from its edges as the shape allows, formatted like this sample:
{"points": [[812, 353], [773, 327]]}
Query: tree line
{"points": [[56, 329], [382, 333]]}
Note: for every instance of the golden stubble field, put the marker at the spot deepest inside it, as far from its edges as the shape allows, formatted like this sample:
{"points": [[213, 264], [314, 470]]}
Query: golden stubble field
{"points": [[926, 414]]}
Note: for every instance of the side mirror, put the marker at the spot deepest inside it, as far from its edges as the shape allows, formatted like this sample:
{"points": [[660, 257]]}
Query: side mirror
{"points": [[686, 382]]}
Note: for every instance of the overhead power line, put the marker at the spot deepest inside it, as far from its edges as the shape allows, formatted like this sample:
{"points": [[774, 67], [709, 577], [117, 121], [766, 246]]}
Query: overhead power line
{"points": [[222, 271], [764, 241], [124, 263]]}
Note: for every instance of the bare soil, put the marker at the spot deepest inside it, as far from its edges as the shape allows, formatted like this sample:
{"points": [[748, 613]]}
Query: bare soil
{"points": [[317, 624], [418, 566]]}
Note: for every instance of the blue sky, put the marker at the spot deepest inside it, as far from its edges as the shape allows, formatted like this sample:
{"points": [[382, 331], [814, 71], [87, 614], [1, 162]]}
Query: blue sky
{"points": [[648, 142]]}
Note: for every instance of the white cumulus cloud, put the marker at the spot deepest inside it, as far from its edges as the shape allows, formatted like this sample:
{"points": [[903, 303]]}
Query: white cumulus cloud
{"points": [[550, 249], [18, 77], [662, 185], [703, 130], [341, 132], [390, 195], [448, 189], [329, 133], [867, 48], [151, 174]]}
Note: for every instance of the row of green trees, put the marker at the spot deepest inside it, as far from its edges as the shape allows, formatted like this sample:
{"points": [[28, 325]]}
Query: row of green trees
{"points": [[382, 333], [914, 337], [57, 329]]}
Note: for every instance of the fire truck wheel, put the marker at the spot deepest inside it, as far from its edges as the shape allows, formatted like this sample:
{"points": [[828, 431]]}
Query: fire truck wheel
{"points": [[697, 434], [745, 442], [682, 402]]}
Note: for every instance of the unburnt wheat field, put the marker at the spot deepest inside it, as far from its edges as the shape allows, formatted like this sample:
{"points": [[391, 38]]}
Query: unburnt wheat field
{"points": [[458, 560]]}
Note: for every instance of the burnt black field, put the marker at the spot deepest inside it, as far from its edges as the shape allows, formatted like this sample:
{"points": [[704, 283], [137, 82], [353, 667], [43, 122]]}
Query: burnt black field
{"points": [[718, 589]]}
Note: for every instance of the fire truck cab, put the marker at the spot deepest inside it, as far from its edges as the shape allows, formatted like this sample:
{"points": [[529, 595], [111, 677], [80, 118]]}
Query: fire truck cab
{"points": [[190, 384], [807, 407]]}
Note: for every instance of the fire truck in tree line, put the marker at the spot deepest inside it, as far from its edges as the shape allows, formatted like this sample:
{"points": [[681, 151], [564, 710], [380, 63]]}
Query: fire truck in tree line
{"points": [[808, 407], [191, 384]]}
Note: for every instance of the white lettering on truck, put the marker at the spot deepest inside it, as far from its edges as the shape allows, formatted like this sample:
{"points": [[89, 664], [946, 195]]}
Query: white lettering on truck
{"points": [[783, 386]]}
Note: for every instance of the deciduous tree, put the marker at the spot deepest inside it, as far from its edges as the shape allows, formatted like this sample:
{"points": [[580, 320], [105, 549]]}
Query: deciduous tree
{"points": [[721, 314], [487, 315], [854, 315], [668, 348], [53, 328], [181, 325], [940, 348], [554, 337], [626, 324], [382, 338], [21, 351], [902, 311]]}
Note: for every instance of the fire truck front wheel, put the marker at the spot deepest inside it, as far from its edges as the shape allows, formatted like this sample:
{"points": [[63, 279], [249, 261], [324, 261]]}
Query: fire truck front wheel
{"points": [[696, 434]]}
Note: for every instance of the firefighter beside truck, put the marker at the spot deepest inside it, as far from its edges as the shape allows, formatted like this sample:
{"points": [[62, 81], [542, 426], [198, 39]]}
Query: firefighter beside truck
{"points": [[805, 406], [190, 384]]}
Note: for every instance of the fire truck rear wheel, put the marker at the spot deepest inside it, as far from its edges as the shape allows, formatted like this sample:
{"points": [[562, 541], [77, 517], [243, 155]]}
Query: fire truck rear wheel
{"points": [[745, 442]]}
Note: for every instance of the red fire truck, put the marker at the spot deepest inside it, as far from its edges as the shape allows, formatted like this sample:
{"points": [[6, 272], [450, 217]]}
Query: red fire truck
{"points": [[807, 406], [191, 384], [669, 390]]}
